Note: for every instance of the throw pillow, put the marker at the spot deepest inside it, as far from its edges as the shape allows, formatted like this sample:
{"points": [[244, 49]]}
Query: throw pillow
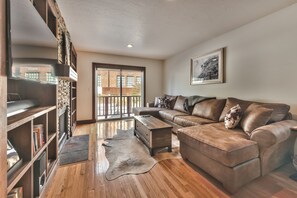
{"points": [[156, 102], [168, 103], [179, 104], [255, 116], [231, 102], [233, 117], [172, 100], [161, 103]]}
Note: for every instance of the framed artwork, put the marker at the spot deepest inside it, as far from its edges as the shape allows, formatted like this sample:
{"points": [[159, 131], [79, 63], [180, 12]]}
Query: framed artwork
{"points": [[208, 69]]}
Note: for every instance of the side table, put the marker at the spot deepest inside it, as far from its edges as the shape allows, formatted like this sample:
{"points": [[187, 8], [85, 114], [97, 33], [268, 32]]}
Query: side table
{"points": [[294, 130]]}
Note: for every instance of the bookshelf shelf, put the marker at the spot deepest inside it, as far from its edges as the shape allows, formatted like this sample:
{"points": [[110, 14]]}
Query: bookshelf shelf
{"points": [[20, 119], [51, 137], [17, 175]]}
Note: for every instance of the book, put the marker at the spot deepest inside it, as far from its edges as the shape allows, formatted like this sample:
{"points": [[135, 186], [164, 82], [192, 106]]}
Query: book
{"points": [[35, 142], [38, 136]]}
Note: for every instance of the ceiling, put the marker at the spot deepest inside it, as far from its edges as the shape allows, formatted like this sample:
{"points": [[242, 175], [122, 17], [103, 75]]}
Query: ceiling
{"points": [[157, 29]]}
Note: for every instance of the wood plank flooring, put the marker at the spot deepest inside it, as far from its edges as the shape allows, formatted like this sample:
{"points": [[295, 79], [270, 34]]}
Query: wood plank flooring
{"points": [[171, 177]]}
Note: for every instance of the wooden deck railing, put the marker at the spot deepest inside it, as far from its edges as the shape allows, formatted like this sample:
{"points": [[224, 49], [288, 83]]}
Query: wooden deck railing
{"points": [[111, 105]]}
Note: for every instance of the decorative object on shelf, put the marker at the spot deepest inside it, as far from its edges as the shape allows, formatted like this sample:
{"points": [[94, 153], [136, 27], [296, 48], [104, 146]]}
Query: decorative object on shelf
{"points": [[16, 193], [12, 156], [14, 161], [19, 106], [208, 69]]}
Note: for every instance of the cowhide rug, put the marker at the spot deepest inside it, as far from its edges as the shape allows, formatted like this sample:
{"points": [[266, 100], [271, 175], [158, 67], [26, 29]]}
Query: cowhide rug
{"points": [[126, 154]]}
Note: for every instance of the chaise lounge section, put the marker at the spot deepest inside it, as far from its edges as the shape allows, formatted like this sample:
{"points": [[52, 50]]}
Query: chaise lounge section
{"points": [[261, 142]]}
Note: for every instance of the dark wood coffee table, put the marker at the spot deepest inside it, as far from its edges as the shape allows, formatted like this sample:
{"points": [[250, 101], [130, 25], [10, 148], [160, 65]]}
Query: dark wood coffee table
{"points": [[153, 132]]}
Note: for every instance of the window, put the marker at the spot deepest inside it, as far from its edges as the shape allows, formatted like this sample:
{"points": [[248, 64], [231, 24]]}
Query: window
{"points": [[130, 81], [32, 75], [99, 82], [50, 78], [138, 80], [119, 82]]}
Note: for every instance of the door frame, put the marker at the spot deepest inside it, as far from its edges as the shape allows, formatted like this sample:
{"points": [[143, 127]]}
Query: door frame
{"points": [[114, 66]]}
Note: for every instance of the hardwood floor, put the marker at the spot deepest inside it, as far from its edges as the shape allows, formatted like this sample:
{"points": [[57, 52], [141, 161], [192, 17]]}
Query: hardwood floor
{"points": [[171, 177]]}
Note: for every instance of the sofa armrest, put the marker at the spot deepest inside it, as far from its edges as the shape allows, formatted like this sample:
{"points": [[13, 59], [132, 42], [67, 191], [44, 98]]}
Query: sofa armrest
{"points": [[274, 133]]}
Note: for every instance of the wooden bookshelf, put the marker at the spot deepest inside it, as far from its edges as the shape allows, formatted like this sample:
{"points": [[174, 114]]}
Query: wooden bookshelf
{"points": [[22, 118], [20, 134], [47, 14], [20, 128], [73, 92]]}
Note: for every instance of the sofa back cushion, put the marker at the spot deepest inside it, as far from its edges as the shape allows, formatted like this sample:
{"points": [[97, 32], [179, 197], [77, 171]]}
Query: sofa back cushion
{"points": [[280, 111], [255, 116], [179, 104], [210, 109], [231, 102]]}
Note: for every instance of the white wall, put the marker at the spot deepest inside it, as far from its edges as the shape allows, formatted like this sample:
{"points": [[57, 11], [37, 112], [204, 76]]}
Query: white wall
{"points": [[261, 62], [154, 73]]}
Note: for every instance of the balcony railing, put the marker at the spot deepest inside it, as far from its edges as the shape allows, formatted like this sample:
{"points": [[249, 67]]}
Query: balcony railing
{"points": [[110, 106]]}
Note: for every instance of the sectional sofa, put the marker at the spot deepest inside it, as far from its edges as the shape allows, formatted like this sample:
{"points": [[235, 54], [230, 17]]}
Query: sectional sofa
{"points": [[261, 142]]}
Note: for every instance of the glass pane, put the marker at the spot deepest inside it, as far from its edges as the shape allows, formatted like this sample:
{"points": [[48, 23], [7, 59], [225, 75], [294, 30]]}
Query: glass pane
{"points": [[108, 93], [110, 84], [132, 91]]}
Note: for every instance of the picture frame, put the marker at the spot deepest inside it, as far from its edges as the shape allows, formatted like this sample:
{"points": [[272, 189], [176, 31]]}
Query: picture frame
{"points": [[208, 69]]}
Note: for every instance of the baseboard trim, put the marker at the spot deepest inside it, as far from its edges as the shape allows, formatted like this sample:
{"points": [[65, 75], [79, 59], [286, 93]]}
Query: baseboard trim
{"points": [[86, 121]]}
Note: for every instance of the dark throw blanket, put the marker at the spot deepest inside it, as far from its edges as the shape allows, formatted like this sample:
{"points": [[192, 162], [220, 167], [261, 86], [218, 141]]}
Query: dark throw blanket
{"points": [[192, 100]]}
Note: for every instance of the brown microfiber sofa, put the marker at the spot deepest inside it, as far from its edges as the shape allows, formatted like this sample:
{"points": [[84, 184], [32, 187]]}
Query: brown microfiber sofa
{"points": [[230, 155]]}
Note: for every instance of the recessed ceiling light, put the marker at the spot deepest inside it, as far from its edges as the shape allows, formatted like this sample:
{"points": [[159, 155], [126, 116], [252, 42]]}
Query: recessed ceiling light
{"points": [[129, 45]]}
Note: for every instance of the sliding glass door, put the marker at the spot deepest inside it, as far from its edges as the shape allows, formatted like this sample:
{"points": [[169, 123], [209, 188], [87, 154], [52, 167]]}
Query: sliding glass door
{"points": [[118, 90]]}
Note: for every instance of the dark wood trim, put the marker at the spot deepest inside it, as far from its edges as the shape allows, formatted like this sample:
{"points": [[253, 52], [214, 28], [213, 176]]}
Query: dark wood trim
{"points": [[115, 66], [93, 92], [85, 121], [3, 99]]}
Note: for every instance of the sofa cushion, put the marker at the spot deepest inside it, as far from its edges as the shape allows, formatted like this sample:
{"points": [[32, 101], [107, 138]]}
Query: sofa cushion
{"points": [[227, 146], [231, 102], [280, 111], [179, 104], [187, 121], [255, 116], [233, 117], [170, 114], [210, 109]]}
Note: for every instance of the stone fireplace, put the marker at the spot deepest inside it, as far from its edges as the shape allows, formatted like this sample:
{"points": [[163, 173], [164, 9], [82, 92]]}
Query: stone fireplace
{"points": [[63, 111], [63, 126]]}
